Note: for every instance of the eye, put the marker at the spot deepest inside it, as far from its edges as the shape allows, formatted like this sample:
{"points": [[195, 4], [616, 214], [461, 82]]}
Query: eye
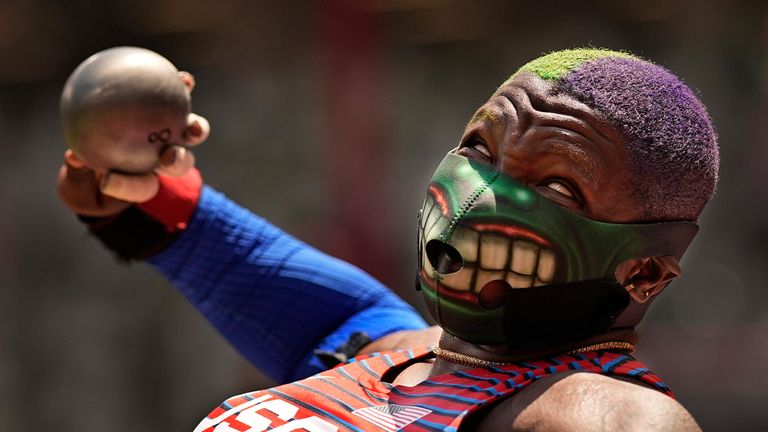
{"points": [[560, 188], [562, 192], [475, 148]]}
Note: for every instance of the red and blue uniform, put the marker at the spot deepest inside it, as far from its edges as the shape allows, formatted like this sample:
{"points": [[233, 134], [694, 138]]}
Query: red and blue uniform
{"points": [[259, 286], [354, 397]]}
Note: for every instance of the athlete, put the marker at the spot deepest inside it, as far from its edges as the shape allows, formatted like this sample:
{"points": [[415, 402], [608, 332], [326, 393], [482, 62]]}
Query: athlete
{"points": [[544, 236]]}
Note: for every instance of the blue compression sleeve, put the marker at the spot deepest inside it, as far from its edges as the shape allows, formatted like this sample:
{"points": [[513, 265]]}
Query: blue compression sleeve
{"points": [[273, 297]]}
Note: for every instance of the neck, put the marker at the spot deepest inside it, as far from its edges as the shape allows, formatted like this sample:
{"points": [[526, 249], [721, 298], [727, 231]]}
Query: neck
{"points": [[503, 354]]}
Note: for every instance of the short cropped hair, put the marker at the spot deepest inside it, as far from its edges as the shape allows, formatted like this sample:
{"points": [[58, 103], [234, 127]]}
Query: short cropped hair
{"points": [[670, 137]]}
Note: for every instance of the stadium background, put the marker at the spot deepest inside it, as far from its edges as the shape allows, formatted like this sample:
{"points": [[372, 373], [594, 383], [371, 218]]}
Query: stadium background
{"points": [[328, 118]]}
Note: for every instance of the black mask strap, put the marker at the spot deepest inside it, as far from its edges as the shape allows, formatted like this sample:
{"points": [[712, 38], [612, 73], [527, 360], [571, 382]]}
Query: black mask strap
{"points": [[557, 314]]}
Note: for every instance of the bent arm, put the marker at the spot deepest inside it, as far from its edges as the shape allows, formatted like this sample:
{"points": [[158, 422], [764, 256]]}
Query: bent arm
{"points": [[276, 299]]}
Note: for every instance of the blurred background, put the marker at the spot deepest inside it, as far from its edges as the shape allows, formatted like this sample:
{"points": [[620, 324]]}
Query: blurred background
{"points": [[328, 118]]}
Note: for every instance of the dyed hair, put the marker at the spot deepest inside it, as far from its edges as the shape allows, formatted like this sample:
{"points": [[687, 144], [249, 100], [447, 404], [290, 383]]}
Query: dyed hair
{"points": [[670, 137]]}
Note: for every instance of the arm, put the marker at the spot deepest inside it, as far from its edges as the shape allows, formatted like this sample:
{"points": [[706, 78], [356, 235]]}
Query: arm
{"points": [[274, 298]]}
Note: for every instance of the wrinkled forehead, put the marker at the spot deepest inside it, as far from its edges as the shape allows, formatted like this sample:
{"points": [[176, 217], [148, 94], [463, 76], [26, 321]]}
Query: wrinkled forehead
{"points": [[545, 79], [530, 99]]}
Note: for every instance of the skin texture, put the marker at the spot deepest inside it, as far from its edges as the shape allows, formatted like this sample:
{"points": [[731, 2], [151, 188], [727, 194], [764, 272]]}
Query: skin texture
{"points": [[556, 145], [588, 402], [671, 137], [573, 401]]}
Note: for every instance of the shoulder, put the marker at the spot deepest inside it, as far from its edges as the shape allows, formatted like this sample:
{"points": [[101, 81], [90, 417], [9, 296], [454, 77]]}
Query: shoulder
{"points": [[404, 339], [589, 401]]}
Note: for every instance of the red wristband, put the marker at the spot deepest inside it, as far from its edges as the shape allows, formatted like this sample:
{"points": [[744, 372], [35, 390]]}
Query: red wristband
{"points": [[176, 200]]}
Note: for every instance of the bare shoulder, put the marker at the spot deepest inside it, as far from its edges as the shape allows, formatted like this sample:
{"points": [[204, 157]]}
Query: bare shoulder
{"points": [[588, 401], [404, 339]]}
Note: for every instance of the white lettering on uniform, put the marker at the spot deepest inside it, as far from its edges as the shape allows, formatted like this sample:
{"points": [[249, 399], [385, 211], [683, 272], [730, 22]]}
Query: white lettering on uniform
{"points": [[206, 423], [248, 414], [258, 423], [309, 424]]}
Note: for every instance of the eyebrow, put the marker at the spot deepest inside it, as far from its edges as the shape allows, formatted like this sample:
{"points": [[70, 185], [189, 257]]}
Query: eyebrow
{"points": [[583, 163], [484, 114]]}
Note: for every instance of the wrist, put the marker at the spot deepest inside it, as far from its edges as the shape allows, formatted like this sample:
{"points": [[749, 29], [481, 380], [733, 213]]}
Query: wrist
{"points": [[175, 200], [143, 230]]}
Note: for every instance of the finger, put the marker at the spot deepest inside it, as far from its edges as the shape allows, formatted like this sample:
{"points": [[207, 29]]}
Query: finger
{"points": [[133, 188], [79, 190], [188, 79], [76, 171], [197, 130], [74, 160], [176, 161]]}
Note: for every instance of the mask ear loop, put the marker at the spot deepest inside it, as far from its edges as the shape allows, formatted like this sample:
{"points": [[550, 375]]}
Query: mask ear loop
{"points": [[419, 249]]}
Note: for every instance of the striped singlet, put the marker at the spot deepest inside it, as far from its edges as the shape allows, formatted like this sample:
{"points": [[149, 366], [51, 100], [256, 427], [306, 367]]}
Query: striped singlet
{"points": [[353, 397]]}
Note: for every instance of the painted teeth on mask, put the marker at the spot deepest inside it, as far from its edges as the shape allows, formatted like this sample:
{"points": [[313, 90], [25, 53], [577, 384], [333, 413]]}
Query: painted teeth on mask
{"points": [[494, 251], [461, 280], [433, 222], [524, 257], [484, 276], [546, 269], [525, 265], [518, 281], [465, 241], [521, 263]]}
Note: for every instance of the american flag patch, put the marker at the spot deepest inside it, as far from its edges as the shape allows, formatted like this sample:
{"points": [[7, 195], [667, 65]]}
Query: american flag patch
{"points": [[391, 417]]}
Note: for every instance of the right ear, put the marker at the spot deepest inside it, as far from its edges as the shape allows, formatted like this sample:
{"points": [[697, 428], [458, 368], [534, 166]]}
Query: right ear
{"points": [[644, 278]]}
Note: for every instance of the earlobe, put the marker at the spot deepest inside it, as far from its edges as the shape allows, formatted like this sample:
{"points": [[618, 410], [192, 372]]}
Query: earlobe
{"points": [[644, 278]]}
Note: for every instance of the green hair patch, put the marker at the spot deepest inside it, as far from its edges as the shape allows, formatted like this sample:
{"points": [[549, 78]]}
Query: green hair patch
{"points": [[555, 65]]}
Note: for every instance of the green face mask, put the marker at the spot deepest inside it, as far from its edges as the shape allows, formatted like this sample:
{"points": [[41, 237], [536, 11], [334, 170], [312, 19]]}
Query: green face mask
{"points": [[501, 264]]}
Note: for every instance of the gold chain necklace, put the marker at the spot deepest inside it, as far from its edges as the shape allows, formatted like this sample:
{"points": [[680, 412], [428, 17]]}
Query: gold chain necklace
{"points": [[466, 360]]}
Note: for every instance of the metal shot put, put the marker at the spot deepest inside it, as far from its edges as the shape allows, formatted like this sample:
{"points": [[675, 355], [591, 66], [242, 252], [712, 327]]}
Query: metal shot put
{"points": [[125, 113]]}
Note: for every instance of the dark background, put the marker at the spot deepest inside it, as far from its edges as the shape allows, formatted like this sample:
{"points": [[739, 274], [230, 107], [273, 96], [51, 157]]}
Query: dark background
{"points": [[328, 118]]}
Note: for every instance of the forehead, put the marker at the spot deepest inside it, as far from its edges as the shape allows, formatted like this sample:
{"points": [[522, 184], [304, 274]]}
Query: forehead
{"points": [[526, 101], [542, 131], [546, 101]]}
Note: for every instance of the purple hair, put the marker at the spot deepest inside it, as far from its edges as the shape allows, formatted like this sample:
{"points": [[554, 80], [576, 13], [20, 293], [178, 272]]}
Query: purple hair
{"points": [[672, 142]]}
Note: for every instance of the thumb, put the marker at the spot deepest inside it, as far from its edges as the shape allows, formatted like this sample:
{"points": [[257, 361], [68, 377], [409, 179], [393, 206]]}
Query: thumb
{"points": [[197, 131], [127, 187], [78, 188]]}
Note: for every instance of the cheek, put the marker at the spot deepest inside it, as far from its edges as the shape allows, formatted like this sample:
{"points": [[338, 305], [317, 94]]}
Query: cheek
{"points": [[616, 201], [616, 198]]}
